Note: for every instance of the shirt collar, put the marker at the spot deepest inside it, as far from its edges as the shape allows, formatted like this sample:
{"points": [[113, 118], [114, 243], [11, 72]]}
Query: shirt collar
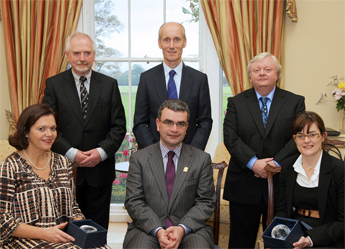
{"points": [[299, 168], [165, 150], [270, 95], [177, 69], [77, 77]]}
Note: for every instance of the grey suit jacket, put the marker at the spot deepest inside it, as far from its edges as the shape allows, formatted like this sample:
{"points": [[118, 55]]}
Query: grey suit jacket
{"points": [[152, 92], [192, 200], [104, 126], [245, 137], [330, 199]]}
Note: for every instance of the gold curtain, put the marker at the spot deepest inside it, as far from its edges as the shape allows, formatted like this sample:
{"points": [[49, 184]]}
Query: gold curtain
{"points": [[242, 29], [34, 36]]}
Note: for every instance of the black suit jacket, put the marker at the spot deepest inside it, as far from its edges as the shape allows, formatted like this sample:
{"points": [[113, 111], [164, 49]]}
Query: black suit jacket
{"points": [[104, 126], [330, 199], [152, 92], [245, 137]]}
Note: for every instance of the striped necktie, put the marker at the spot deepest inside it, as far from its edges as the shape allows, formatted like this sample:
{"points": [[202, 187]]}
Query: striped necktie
{"points": [[172, 91], [84, 96]]}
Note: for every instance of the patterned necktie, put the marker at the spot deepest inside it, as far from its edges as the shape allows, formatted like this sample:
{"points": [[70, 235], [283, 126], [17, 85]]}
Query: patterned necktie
{"points": [[170, 178], [264, 111], [172, 91], [84, 96]]}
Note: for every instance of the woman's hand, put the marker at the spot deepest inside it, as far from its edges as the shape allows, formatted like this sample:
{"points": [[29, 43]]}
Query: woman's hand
{"points": [[302, 243], [56, 235]]}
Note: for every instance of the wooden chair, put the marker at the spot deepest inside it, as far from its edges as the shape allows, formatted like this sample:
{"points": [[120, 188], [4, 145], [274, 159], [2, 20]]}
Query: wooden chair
{"points": [[220, 166]]}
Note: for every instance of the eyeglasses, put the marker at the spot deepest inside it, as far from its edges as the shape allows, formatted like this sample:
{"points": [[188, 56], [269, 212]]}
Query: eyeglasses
{"points": [[170, 124], [301, 136]]}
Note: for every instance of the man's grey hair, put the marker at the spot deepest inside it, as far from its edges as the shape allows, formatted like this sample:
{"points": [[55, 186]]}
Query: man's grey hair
{"points": [[77, 33], [160, 29], [175, 105], [262, 56]]}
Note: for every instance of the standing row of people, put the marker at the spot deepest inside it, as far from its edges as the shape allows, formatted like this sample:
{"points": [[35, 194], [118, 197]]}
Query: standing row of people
{"points": [[170, 193]]}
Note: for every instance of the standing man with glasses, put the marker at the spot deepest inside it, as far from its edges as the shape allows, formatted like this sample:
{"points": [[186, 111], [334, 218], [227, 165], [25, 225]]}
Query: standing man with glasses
{"points": [[93, 125], [170, 192], [172, 80], [257, 131]]}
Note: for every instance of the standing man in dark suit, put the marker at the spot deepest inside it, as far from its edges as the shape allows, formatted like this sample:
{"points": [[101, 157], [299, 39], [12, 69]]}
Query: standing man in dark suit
{"points": [[185, 83], [170, 210], [93, 125], [257, 131]]}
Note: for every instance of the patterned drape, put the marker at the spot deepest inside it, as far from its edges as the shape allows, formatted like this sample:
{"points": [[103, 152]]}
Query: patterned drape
{"points": [[34, 35], [242, 29]]}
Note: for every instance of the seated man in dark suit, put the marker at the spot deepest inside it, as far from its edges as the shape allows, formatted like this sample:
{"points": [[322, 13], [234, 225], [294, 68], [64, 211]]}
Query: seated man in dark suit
{"points": [[170, 210], [172, 80]]}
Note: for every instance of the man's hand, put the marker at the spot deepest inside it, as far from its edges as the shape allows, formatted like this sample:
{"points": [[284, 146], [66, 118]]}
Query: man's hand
{"points": [[79, 157], [56, 235], [175, 234], [259, 166], [302, 243], [92, 158], [163, 239]]}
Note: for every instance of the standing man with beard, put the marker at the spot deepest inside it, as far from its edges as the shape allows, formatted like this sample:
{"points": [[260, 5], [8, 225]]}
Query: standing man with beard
{"points": [[93, 125]]}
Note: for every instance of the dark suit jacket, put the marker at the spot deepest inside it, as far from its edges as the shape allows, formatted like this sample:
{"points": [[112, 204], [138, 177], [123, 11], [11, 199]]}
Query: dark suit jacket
{"points": [[104, 126], [152, 92], [245, 137], [192, 200], [330, 199]]}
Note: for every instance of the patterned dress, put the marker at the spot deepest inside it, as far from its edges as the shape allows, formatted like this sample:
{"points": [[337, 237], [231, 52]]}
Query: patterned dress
{"points": [[27, 198]]}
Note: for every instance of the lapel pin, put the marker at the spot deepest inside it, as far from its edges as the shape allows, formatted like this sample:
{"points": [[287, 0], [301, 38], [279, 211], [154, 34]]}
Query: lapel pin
{"points": [[185, 169]]}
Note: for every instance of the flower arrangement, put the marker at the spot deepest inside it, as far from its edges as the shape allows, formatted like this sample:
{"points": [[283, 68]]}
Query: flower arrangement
{"points": [[133, 145], [338, 94]]}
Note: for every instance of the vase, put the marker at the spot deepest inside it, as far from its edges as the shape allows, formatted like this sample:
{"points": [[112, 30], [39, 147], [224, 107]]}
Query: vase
{"points": [[342, 121]]}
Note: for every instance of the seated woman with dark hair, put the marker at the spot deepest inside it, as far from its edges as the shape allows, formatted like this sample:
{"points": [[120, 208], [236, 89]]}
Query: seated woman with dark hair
{"points": [[36, 186], [312, 186]]}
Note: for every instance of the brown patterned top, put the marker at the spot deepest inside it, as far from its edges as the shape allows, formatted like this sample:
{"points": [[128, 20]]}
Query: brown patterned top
{"points": [[27, 198]]}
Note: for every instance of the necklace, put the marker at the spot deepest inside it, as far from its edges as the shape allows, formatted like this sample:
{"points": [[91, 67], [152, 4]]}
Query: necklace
{"points": [[33, 165], [308, 167]]}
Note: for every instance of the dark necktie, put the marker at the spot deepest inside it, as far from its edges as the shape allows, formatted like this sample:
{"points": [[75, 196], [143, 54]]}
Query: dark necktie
{"points": [[264, 111], [84, 96], [172, 91], [170, 178]]}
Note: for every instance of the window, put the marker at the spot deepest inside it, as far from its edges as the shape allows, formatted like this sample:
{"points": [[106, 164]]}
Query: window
{"points": [[126, 34]]}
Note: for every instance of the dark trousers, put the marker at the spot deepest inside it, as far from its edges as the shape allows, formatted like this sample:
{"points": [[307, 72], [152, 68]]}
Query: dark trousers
{"points": [[244, 223], [94, 202]]}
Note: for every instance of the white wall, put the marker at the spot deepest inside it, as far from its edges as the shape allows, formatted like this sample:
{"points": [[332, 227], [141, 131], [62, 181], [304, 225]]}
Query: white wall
{"points": [[315, 52]]}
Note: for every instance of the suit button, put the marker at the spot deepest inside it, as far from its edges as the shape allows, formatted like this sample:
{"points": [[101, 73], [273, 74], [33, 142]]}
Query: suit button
{"points": [[85, 133]]}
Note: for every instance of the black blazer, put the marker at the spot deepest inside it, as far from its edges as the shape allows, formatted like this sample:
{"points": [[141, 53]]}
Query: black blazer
{"points": [[104, 126], [245, 136], [152, 93], [330, 199]]}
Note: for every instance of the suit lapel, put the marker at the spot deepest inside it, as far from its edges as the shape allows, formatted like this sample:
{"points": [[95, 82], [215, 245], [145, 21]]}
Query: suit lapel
{"points": [[180, 176], [254, 108], [186, 83], [277, 103], [71, 93], [324, 182], [94, 92], [159, 83], [155, 162]]}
